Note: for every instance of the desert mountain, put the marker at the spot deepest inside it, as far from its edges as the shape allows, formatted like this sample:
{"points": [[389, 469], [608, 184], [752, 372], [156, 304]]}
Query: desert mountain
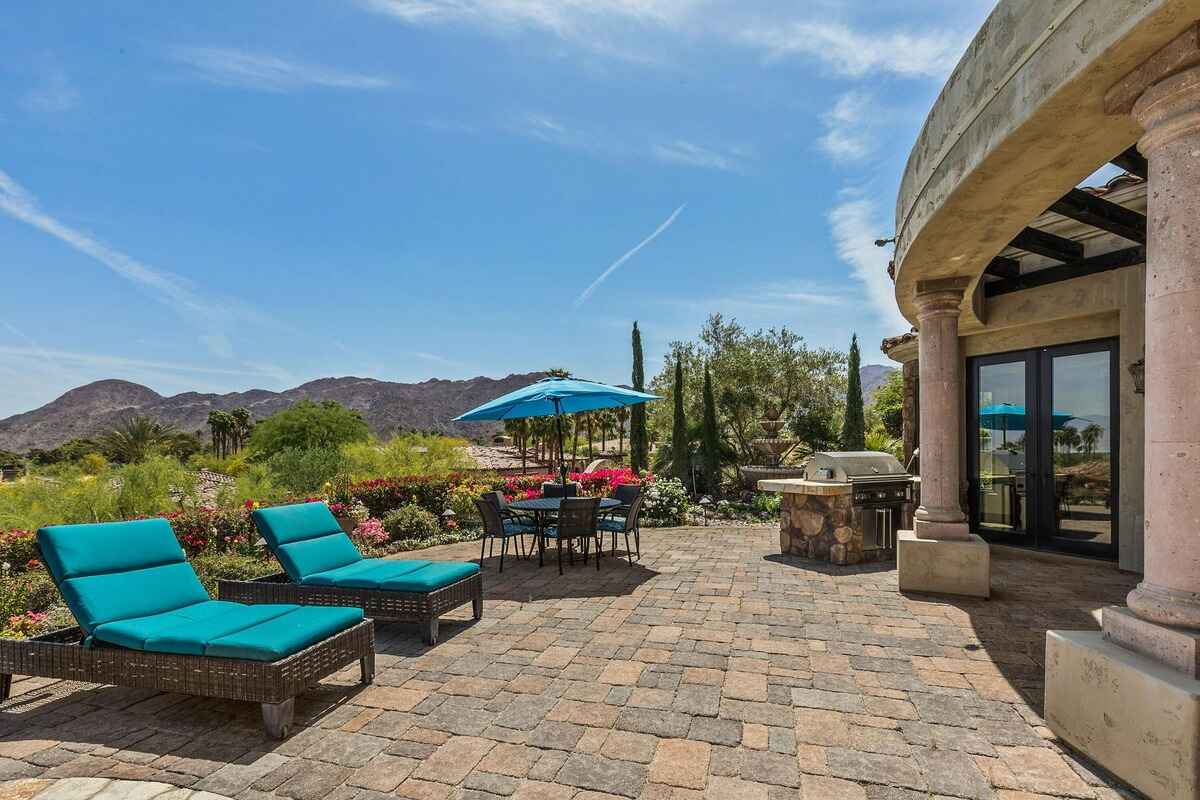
{"points": [[388, 407]]}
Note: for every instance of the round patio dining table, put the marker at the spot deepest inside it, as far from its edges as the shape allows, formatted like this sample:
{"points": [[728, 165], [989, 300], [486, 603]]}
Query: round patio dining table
{"points": [[541, 506]]}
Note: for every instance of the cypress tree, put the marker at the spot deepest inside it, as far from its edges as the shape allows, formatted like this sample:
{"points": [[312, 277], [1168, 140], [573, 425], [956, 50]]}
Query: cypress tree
{"points": [[639, 444], [679, 437], [854, 429], [712, 453]]}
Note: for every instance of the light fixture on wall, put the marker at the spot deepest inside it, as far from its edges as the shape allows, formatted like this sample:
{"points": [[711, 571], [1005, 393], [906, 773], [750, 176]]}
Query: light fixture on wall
{"points": [[1137, 370]]}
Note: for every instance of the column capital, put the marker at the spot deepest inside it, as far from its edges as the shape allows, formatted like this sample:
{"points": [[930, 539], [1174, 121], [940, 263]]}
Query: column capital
{"points": [[939, 298], [1169, 109]]}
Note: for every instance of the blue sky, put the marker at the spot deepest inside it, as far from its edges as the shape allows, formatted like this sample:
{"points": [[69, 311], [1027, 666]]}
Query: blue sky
{"points": [[225, 195]]}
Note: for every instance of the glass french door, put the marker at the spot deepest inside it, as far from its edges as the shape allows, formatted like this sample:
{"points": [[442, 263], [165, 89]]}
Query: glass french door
{"points": [[1042, 447]]}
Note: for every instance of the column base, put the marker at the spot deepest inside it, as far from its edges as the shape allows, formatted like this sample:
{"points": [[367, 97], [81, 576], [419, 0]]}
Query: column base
{"points": [[943, 531], [1137, 718], [944, 566], [1177, 648]]}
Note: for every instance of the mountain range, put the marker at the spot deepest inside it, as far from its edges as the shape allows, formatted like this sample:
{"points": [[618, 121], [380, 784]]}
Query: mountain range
{"points": [[388, 407]]}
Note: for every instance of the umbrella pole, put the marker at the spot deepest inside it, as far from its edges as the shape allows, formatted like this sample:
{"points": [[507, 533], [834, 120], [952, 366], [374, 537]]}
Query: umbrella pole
{"points": [[562, 461]]}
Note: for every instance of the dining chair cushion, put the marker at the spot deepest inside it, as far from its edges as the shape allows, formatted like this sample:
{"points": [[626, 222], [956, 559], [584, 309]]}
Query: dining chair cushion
{"points": [[515, 528], [616, 525]]}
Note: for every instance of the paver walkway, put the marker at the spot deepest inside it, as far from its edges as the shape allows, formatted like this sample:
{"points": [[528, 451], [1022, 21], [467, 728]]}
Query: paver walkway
{"points": [[714, 668]]}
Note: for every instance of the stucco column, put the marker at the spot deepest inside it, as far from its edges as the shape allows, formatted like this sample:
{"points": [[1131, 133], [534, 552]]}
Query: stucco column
{"points": [[940, 515], [1170, 113]]}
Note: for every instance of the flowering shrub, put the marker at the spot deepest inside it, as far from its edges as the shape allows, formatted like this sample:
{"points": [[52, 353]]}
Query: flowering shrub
{"points": [[410, 522], [387, 494], [666, 502], [18, 549], [22, 626], [215, 530], [462, 502], [591, 484], [370, 534]]}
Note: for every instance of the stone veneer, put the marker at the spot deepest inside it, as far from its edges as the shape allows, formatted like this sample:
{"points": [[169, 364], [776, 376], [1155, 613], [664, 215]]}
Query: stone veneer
{"points": [[824, 527]]}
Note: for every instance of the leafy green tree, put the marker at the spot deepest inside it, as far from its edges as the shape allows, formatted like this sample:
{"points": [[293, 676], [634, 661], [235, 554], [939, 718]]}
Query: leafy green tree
{"points": [[137, 438], [750, 371], [639, 442], [308, 425], [679, 432], [711, 438], [854, 425], [887, 405]]}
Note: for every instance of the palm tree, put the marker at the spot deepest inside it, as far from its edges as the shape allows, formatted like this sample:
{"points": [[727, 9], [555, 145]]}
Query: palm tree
{"points": [[1090, 437], [622, 414], [241, 427], [136, 438]]}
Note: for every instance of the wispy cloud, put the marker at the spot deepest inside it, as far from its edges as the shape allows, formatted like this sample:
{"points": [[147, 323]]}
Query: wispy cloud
{"points": [[264, 72], [855, 225], [212, 317], [547, 128], [640, 30], [111, 362], [586, 293], [690, 154], [848, 128], [854, 53]]}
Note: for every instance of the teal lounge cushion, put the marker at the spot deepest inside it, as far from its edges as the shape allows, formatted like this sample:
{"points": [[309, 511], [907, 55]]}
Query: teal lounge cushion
{"points": [[294, 523], [301, 559], [285, 635], [119, 570], [395, 575], [306, 538], [231, 630], [187, 630]]}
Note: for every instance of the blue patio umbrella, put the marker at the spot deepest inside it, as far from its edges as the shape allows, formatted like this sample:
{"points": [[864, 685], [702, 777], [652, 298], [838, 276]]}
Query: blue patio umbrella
{"points": [[555, 397], [1009, 417]]}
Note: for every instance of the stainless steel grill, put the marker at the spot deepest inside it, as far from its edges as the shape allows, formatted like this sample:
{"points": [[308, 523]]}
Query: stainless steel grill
{"points": [[880, 490]]}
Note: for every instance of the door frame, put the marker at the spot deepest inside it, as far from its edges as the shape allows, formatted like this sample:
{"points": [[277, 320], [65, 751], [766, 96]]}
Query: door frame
{"points": [[1039, 456]]}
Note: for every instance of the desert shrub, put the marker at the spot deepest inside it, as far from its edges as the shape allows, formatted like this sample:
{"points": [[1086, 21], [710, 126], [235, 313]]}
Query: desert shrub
{"points": [[63, 494], [306, 470], [422, 454], [254, 482], [410, 521], [230, 566], [461, 500], [156, 485], [666, 502]]}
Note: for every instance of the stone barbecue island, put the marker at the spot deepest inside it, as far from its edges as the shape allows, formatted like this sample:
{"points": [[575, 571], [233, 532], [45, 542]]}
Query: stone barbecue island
{"points": [[849, 518]]}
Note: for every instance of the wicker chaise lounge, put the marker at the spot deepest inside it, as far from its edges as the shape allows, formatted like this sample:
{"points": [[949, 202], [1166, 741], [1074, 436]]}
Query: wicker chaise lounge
{"points": [[322, 567], [146, 622]]}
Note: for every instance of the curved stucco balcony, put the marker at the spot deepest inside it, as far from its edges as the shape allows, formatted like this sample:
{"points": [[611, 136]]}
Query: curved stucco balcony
{"points": [[1020, 122]]}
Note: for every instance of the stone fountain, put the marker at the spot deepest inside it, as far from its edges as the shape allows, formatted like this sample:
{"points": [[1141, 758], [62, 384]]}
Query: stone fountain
{"points": [[774, 449]]}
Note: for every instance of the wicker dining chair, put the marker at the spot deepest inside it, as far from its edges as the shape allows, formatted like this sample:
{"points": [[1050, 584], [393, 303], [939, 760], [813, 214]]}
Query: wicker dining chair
{"points": [[497, 500], [577, 519], [627, 524], [497, 527], [555, 489]]}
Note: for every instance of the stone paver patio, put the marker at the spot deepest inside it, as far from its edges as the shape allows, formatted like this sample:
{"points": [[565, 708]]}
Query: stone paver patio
{"points": [[714, 668]]}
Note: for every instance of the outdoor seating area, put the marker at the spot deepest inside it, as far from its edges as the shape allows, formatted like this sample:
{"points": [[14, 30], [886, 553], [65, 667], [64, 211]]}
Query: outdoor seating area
{"points": [[712, 667]]}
